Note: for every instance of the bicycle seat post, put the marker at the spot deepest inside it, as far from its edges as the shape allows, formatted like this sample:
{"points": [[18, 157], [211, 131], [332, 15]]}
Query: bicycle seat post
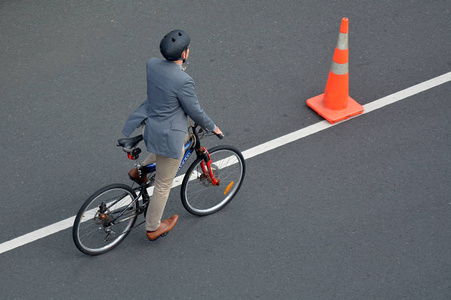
{"points": [[138, 165]]}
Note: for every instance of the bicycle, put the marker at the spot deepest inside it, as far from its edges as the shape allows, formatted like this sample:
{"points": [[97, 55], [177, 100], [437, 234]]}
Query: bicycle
{"points": [[209, 184]]}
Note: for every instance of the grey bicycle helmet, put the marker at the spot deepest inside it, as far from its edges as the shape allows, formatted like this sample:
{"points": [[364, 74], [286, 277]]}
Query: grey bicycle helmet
{"points": [[173, 44]]}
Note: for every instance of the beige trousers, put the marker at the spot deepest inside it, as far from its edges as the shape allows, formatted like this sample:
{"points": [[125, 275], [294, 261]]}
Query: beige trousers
{"points": [[166, 169]]}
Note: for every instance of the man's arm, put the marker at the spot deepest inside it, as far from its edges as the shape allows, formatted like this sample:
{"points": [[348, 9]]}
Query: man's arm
{"points": [[190, 103]]}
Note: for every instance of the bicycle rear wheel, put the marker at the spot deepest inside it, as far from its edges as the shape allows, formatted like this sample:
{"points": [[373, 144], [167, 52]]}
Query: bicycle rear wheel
{"points": [[105, 219], [199, 196]]}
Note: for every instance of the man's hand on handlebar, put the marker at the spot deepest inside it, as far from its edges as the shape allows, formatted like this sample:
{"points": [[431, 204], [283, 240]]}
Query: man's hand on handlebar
{"points": [[218, 132]]}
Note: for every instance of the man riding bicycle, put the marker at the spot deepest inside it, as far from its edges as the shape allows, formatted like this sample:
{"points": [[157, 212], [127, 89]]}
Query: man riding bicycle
{"points": [[171, 99]]}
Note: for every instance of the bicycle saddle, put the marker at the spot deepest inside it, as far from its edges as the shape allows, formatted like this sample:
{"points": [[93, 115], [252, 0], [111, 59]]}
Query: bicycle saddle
{"points": [[129, 143]]}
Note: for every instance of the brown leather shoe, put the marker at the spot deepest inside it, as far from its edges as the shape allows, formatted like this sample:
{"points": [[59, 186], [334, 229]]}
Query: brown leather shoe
{"points": [[165, 226], [134, 175]]}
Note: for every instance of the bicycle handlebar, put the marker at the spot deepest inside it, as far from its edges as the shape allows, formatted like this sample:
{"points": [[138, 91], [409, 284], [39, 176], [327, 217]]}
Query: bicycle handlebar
{"points": [[200, 130]]}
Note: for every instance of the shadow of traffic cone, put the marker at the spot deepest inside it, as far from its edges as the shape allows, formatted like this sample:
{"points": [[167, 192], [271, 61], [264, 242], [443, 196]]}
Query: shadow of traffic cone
{"points": [[335, 104]]}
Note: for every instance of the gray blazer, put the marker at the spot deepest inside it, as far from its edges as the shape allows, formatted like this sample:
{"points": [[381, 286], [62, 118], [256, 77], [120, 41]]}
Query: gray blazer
{"points": [[170, 99]]}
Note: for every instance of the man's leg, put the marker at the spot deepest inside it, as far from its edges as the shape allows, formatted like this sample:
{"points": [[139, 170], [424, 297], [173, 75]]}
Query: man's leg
{"points": [[166, 170]]}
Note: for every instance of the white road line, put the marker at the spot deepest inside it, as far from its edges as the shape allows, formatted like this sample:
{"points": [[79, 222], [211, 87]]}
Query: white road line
{"points": [[260, 149], [36, 235]]}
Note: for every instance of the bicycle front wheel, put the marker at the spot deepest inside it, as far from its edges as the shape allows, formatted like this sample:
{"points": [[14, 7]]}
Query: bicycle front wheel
{"points": [[105, 219], [199, 196]]}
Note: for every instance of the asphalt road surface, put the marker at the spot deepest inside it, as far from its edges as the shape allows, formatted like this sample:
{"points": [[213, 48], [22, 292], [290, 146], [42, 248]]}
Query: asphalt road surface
{"points": [[360, 210]]}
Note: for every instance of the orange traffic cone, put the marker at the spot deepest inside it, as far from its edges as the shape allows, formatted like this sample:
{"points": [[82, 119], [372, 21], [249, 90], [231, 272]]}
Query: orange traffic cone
{"points": [[335, 104]]}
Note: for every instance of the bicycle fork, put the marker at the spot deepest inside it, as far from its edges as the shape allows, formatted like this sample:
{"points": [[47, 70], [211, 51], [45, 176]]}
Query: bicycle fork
{"points": [[206, 166]]}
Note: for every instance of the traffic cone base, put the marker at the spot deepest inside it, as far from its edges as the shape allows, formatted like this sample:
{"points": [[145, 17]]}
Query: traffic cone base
{"points": [[353, 108]]}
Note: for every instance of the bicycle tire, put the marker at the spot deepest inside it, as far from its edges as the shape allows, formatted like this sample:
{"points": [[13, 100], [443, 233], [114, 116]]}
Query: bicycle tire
{"points": [[199, 196], [93, 231]]}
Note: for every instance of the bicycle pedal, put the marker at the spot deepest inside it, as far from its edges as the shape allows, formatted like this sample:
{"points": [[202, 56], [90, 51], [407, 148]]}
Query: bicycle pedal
{"points": [[164, 234]]}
